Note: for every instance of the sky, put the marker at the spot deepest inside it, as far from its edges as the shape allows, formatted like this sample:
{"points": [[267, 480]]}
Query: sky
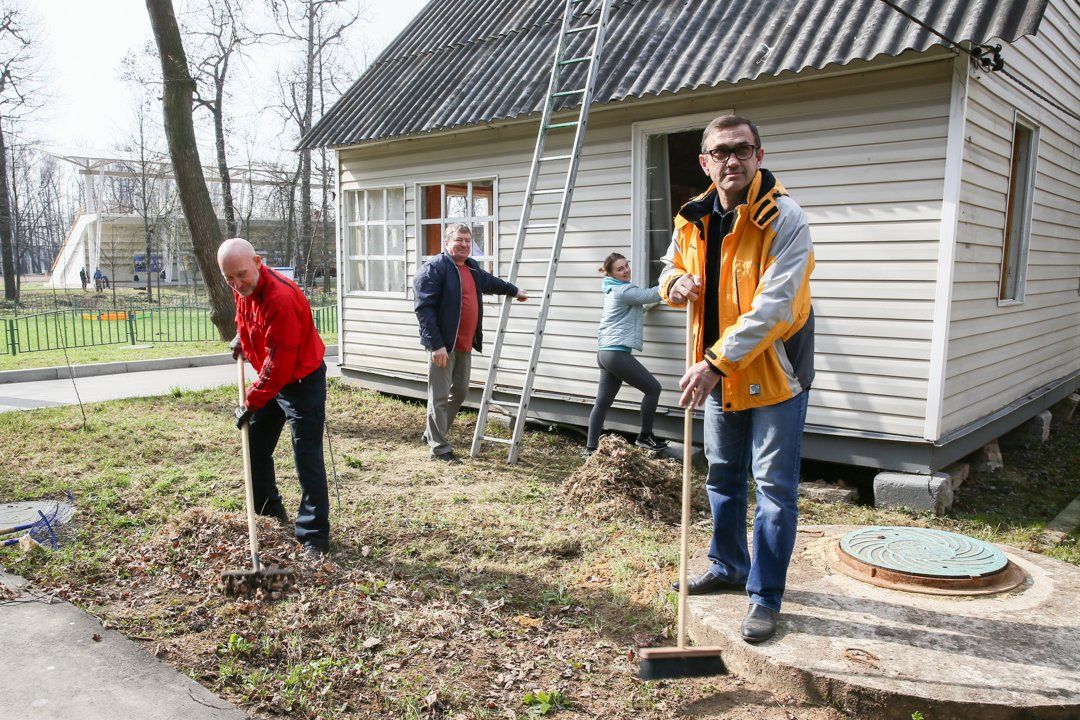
{"points": [[85, 41]]}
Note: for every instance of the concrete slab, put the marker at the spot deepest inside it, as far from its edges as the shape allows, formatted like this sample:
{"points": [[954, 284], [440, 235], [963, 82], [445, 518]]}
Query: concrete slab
{"points": [[880, 653], [58, 671], [930, 493]]}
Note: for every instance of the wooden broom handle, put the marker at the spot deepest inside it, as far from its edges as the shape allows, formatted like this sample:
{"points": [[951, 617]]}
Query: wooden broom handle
{"points": [[688, 449]]}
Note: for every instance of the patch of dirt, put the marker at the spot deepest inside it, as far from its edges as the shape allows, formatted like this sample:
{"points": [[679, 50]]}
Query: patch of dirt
{"points": [[620, 480]]}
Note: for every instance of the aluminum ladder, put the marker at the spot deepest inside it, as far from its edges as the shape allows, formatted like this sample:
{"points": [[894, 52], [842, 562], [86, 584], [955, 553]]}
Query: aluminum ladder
{"points": [[567, 34]]}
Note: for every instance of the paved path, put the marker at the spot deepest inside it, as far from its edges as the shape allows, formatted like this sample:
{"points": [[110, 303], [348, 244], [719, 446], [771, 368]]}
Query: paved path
{"points": [[63, 665], [49, 393]]}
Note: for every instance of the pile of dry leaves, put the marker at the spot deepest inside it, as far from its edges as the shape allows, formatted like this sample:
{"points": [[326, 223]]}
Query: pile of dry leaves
{"points": [[620, 480]]}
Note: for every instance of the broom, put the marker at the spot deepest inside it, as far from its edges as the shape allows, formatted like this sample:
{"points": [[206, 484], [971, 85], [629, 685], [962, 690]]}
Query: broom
{"points": [[272, 579], [682, 661]]}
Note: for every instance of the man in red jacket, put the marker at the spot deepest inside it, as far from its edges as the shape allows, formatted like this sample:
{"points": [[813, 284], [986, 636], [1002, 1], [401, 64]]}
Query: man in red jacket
{"points": [[276, 334]]}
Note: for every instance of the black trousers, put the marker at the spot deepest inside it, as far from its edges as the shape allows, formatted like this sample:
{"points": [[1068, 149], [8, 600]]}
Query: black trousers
{"points": [[303, 404], [617, 367]]}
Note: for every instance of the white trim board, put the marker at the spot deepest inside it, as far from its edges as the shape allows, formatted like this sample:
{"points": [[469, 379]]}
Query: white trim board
{"points": [[946, 266], [639, 214]]}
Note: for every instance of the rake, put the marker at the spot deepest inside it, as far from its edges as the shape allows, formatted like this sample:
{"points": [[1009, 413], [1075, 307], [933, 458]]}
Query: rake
{"points": [[270, 579]]}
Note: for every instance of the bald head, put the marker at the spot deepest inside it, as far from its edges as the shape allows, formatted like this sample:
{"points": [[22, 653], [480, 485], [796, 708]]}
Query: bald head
{"points": [[239, 265]]}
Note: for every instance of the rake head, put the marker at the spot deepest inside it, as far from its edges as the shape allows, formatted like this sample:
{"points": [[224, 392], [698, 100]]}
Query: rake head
{"points": [[273, 579]]}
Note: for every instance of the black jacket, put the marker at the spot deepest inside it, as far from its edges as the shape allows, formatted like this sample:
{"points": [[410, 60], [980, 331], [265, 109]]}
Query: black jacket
{"points": [[437, 300]]}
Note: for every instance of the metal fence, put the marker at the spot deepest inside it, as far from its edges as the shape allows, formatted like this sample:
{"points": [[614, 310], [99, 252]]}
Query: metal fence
{"points": [[76, 328]]}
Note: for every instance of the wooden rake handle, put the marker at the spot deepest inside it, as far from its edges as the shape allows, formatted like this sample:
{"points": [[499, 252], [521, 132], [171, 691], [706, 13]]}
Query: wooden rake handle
{"points": [[245, 444]]}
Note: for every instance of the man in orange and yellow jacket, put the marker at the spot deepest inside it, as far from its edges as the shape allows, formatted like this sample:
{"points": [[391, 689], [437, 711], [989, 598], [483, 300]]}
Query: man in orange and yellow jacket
{"points": [[741, 253]]}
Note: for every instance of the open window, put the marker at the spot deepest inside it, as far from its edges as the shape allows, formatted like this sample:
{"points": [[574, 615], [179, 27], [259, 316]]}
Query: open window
{"points": [[666, 175], [375, 240], [470, 203], [1017, 231]]}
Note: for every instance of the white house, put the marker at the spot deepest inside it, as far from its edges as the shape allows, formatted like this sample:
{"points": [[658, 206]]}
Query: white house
{"points": [[942, 195]]}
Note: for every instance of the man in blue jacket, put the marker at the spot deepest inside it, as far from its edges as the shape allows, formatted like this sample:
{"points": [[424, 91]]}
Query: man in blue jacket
{"points": [[446, 294]]}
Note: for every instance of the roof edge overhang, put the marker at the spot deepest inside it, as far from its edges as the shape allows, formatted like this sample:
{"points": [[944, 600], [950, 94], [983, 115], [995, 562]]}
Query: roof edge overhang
{"points": [[882, 62]]}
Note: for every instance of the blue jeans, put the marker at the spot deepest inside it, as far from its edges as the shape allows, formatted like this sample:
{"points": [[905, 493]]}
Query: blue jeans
{"points": [[765, 441], [303, 404]]}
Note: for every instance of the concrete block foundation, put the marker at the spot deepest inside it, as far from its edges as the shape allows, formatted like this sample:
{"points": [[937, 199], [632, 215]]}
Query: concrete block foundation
{"points": [[1064, 410], [926, 493], [1034, 432], [987, 459]]}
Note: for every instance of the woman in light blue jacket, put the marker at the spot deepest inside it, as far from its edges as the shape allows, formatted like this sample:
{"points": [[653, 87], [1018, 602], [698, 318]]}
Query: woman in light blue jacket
{"points": [[619, 334]]}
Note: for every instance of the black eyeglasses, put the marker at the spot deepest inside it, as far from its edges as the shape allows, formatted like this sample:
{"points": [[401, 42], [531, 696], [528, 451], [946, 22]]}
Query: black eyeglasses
{"points": [[721, 154]]}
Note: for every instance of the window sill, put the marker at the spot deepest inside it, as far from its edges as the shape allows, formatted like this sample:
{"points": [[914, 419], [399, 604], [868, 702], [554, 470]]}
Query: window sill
{"points": [[1009, 303]]}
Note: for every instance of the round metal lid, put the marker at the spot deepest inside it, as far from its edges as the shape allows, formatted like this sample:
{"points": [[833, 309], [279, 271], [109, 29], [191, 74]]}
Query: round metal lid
{"points": [[922, 551], [14, 514]]}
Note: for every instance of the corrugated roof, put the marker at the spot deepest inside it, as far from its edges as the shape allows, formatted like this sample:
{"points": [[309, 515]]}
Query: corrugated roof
{"points": [[460, 63]]}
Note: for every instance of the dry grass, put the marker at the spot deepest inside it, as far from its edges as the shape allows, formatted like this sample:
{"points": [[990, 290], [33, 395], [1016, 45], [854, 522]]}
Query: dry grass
{"points": [[453, 591]]}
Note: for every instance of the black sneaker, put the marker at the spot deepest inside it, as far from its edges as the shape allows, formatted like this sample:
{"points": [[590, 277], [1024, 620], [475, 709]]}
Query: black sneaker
{"points": [[277, 511], [447, 457], [651, 442], [312, 552]]}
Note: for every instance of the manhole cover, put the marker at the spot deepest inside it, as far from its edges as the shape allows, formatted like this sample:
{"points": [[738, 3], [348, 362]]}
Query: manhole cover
{"points": [[924, 560], [14, 514]]}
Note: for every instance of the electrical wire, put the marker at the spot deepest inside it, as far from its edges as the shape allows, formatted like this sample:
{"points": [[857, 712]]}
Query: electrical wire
{"points": [[988, 57]]}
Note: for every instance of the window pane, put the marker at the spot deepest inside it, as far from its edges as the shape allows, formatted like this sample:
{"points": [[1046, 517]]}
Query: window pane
{"points": [[357, 268], [430, 203], [480, 237], [378, 276], [397, 276], [432, 239], [1014, 250], [483, 192], [395, 240], [356, 206], [356, 241], [457, 205], [376, 241], [395, 201], [375, 205]]}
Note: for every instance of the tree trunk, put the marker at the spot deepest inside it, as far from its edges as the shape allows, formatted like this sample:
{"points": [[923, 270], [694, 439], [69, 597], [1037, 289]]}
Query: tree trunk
{"points": [[190, 182], [223, 168], [7, 254], [306, 234]]}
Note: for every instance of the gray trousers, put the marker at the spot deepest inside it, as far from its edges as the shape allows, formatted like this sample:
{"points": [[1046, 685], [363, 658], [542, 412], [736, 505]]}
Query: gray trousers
{"points": [[446, 390]]}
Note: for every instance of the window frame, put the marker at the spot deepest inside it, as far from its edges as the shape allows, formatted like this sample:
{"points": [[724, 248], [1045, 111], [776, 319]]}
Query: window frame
{"points": [[1026, 185], [349, 224], [488, 262], [639, 181]]}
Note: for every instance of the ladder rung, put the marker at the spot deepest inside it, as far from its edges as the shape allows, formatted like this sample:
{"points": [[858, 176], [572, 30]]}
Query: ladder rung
{"points": [[534, 260], [561, 93], [513, 371], [583, 28], [570, 123], [541, 226], [507, 409], [574, 61], [556, 157], [501, 441], [554, 191], [523, 332]]}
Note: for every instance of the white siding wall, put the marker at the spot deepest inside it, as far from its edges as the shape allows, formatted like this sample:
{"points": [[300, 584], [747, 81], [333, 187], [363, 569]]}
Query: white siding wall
{"points": [[863, 154], [999, 354]]}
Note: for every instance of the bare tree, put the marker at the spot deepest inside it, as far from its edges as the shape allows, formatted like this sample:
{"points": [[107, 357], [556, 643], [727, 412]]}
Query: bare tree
{"points": [[218, 34], [317, 26], [190, 182], [18, 69]]}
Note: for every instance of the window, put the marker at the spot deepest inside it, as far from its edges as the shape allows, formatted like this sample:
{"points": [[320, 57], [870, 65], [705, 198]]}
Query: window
{"points": [[375, 240], [666, 174], [1014, 250], [471, 203]]}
